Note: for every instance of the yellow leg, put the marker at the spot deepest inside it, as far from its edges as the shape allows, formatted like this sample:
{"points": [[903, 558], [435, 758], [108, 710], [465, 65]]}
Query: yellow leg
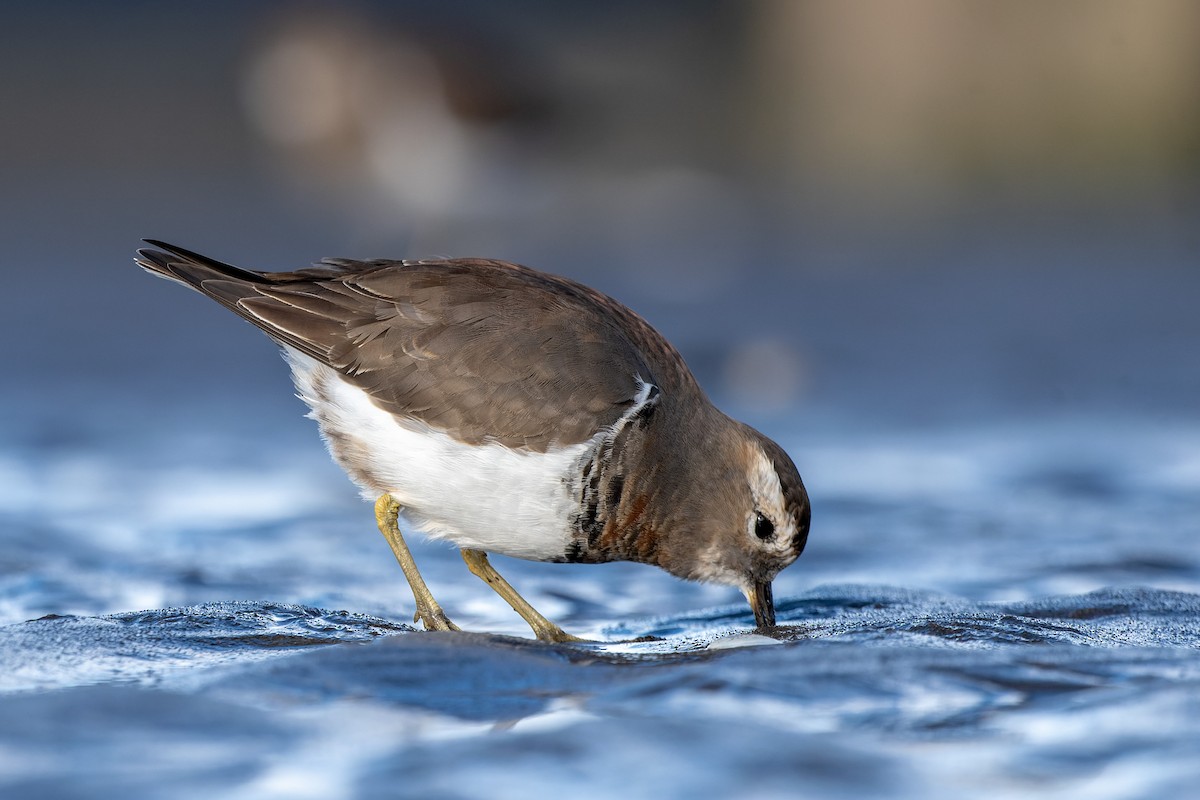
{"points": [[547, 631], [428, 610]]}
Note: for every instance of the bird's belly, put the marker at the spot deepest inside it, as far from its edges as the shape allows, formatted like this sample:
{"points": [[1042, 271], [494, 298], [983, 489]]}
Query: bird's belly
{"points": [[486, 497]]}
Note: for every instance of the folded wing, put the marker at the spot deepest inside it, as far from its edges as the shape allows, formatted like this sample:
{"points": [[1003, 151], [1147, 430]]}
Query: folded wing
{"points": [[485, 350]]}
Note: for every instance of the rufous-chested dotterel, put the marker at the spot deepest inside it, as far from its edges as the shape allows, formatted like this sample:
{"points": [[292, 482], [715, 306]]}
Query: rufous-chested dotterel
{"points": [[511, 411]]}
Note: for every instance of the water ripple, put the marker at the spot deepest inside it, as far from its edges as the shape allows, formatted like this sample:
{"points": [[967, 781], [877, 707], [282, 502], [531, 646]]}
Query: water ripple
{"points": [[138, 646]]}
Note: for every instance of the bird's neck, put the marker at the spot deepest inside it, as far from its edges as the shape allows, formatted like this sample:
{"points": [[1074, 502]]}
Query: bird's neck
{"points": [[635, 486]]}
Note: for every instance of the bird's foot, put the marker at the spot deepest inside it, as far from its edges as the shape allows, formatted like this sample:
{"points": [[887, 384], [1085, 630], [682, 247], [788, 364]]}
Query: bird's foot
{"points": [[555, 635], [434, 619]]}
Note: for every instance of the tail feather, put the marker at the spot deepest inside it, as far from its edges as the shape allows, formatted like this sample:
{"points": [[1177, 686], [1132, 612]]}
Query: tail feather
{"points": [[189, 267], [225, 283], [307, 323]]}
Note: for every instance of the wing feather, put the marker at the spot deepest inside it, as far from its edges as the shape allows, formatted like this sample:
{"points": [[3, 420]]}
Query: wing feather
{"points": [[485, 350]]}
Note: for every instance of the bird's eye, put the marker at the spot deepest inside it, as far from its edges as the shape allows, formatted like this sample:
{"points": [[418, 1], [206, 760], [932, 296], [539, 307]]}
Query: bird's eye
{"points": [[763, 527]]}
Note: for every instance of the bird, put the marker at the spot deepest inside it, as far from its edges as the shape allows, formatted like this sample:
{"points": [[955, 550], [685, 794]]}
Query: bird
{"points": [[511, 411]]}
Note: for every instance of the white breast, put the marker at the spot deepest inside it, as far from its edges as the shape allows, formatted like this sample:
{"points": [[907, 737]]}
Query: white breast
{"points": [[487, 497]]}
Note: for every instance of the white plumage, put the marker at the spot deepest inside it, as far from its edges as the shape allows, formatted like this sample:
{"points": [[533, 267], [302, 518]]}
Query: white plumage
{"points": [[484, 497]]}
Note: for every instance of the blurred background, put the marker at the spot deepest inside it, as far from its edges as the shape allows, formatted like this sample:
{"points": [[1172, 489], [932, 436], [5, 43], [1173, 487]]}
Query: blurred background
{"points": [[873, 229], [869, 212], [851, 217], [946, 253]]}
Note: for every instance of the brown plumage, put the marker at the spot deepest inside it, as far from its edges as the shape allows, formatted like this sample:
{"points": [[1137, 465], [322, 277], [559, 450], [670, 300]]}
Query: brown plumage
{"points": [[446, 343], [494, 354]]}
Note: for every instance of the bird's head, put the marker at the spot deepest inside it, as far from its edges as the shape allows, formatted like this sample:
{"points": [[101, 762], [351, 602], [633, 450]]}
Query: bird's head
{"points": [[753, 519]]}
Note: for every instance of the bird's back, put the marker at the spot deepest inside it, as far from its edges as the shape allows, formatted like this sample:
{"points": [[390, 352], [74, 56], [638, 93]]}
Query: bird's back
{"points": [[481, 349]]}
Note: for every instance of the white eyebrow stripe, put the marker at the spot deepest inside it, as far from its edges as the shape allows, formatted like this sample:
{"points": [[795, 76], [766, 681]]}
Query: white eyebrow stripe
{"points": [[767, 492]]}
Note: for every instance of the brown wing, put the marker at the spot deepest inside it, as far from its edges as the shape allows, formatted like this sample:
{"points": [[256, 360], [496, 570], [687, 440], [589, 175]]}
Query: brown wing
{"points": [[485, 350]]}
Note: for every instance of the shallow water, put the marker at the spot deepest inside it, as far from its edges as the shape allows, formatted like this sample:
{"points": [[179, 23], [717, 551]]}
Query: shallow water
{"points": [[1004, 610]]}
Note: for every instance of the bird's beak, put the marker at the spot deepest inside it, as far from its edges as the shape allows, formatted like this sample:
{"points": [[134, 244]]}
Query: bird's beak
{"points": [[762, 602]]}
